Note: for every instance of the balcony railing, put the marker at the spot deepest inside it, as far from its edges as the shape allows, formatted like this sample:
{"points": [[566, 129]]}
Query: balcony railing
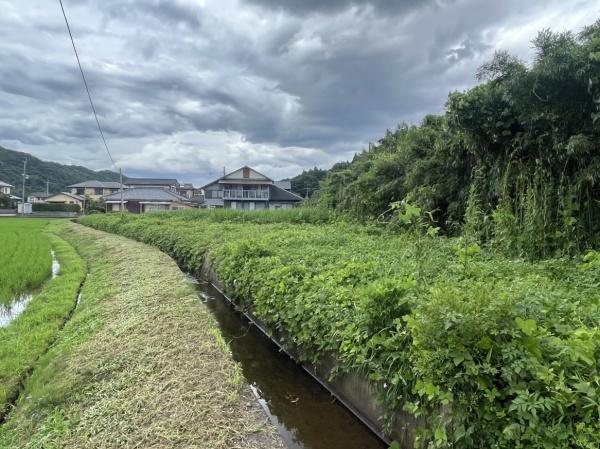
{"points": [[246, 194]]}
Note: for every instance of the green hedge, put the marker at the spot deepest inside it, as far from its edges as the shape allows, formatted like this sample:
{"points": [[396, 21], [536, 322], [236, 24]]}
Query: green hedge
{"points": [[55, 207]]}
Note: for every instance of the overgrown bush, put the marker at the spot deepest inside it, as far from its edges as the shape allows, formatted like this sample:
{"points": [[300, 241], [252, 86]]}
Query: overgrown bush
{"points": [[525, 140]]}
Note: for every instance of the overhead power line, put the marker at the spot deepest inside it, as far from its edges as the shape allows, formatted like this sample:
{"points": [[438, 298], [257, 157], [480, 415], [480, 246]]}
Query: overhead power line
{"points": [[86, 84]]}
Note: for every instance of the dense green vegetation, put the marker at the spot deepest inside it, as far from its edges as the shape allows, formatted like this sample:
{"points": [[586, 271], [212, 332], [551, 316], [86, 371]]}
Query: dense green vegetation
{"points": [[139, 364], [495, 352], [26, 338], [515, 159], [59, 175], [25, 256], [55, 207], [307, 183]]}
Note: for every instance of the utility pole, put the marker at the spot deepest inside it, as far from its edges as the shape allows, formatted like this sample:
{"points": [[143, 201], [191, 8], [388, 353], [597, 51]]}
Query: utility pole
{"points": [[47, 187], [23, 189], [121, 188], [224, 170]]}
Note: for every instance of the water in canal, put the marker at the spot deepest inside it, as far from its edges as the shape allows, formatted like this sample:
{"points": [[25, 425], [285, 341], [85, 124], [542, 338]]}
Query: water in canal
{"points": [[305, 414]]}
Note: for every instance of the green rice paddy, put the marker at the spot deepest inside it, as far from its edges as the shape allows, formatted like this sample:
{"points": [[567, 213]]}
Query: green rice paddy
{"points": [[24, 256]]}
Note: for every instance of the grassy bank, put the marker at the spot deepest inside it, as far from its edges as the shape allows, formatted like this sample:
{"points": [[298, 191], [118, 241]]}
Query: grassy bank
{"points": [[510, 347], [139, 364], [24, 256], [26, 338]]}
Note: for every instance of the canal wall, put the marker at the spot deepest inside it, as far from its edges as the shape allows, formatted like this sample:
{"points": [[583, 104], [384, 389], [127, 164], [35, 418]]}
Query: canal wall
{"points": [[353, 390]]}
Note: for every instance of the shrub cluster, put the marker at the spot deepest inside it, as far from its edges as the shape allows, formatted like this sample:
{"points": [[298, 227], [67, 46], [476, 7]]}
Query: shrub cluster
{"points": [[55, 207]]}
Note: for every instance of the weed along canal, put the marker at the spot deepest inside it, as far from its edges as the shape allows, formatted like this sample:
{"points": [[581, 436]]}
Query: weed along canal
{"points": [[305, 414]]}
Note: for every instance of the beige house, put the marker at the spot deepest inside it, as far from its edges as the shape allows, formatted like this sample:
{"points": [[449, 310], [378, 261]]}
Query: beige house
{"points": [[95, 190], [66, 198]]}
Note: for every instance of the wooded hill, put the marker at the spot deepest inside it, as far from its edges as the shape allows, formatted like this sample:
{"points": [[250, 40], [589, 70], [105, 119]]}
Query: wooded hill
{"points": [[514, 161], [59, 175]]}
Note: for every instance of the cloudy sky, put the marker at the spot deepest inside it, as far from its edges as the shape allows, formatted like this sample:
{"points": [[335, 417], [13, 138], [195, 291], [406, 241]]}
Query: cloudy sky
{"points": [[186, 87]]}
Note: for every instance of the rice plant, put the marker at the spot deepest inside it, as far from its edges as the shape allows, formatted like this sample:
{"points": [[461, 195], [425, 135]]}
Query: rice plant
{"points": [[25, 258]]}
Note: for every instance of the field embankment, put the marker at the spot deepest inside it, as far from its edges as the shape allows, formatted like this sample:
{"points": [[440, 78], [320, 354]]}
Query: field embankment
{"points": [[139, 364], [494, 352]]}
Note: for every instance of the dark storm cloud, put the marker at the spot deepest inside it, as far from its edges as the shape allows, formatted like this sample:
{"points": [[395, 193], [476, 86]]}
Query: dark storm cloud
{"points": [[186, 87]]}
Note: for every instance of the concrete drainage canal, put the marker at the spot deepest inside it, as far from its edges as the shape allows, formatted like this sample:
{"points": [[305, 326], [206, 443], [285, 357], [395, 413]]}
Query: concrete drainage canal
{"points": [[305, 414]]}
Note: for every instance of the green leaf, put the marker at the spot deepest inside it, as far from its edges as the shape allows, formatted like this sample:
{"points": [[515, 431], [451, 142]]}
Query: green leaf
{"points": [[528, 327]]}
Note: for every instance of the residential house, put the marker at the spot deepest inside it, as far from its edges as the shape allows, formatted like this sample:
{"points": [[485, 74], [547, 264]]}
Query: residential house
{"points": [[161, 183], [95, 190], [5, 189], [188, 190], [285, 185], [246, 188], [146, 199], [66, 198], [37, 197]]}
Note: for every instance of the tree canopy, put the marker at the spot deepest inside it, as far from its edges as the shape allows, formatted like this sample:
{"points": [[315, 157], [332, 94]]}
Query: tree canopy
{"points": [[515, 158]]}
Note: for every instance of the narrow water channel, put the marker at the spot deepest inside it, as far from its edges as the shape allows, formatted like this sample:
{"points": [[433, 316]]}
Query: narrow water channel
{"points": [[305, 414]]}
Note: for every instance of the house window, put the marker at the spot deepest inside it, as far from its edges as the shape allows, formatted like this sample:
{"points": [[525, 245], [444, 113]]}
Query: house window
{"points": [[97, 191], [80, 190], [155, 207]]}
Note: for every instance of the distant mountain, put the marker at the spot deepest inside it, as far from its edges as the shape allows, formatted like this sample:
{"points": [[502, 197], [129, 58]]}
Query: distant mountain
{"points": [[59, 175]]}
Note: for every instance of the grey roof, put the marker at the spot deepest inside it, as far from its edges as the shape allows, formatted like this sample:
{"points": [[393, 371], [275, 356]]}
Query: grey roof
{"points": [[285, 185], [146, 194], [267, 180], [72, 195], [197, 199], [4, 184], [151, 181], [40, 194], [276, 193], [97, 184]]}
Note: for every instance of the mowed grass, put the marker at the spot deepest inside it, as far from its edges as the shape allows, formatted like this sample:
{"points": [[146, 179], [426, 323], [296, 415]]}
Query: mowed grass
{"points": [[140, 364], [24, 256], [26, 338]]}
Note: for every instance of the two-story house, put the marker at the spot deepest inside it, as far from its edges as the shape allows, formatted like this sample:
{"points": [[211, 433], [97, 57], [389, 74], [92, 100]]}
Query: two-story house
{"points": [[246, 188], [5, 188], [95, 190]]}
